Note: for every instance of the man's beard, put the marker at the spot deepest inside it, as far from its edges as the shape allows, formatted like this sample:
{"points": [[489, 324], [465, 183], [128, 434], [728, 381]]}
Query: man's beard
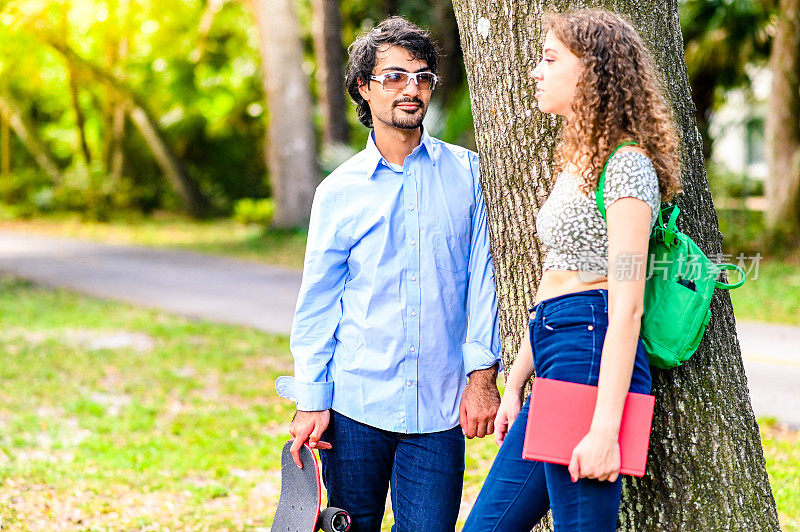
{"points": [[403, 120]]}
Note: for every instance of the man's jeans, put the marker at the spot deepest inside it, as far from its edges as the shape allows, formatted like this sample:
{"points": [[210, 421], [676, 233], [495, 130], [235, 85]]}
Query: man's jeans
{"points": [[426, 472], [567, 336]]}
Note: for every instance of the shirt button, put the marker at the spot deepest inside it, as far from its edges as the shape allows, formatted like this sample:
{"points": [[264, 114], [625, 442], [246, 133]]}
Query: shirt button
{"points": [[413, 313], [413, 277], [413, 242], [412, 349], [410, 207], [409, 383]]}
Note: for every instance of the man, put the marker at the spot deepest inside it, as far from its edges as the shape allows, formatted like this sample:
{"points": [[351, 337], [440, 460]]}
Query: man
{"points": [[397, 262]]}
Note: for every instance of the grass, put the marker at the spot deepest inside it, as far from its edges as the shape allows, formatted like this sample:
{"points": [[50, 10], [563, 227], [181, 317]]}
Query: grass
{"points": [[773, 296], [114, 417], [118, 418], [782, 451]]}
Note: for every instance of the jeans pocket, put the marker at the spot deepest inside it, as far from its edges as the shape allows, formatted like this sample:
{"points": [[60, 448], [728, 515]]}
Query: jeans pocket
{"points": [[580, 316]]}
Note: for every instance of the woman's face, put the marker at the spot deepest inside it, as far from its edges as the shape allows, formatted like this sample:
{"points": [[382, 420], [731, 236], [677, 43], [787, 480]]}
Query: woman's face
{"points": [[556, 77]]}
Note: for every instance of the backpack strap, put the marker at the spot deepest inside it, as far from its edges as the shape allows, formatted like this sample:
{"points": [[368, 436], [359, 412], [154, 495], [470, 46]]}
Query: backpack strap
{"points": [[669, 231], [598, 194], [730, 286]]}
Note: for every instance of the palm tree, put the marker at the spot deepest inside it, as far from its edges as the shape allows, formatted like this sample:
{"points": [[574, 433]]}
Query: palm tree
{"points": [[722, 37]]}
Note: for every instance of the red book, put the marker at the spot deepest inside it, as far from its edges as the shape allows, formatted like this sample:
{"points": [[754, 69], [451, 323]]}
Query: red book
{"points": [[560, 416]]}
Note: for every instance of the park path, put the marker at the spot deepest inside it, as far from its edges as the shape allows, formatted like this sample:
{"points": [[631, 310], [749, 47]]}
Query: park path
{"points": [[260, 296]]}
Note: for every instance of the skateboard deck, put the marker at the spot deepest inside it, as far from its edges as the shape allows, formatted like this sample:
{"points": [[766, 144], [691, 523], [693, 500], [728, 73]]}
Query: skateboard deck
{"points": [[301, 497]]}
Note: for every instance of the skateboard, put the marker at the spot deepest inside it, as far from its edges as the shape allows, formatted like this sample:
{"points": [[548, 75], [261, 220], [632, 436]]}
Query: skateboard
{"points": [[301, 497]]}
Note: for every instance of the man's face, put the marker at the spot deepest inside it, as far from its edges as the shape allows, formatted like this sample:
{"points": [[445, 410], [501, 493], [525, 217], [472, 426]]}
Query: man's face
{"points": [[402, 108]]}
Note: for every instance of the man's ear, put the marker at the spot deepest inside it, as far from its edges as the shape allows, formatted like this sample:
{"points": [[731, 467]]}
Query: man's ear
{"points": [[363, 89]]}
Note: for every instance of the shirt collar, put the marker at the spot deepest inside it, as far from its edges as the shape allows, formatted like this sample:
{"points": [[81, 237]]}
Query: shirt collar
{"points": [[374, 156]]}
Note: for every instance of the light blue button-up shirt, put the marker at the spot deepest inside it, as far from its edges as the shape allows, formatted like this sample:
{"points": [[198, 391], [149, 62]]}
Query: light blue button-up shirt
{"points": [[397, 304]]}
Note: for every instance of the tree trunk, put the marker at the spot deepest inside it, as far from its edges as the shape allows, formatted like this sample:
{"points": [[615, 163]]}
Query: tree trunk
{"points": [[5, 146], [170, 164], [80, 120], [703, 97], [327, 30], [706, 468], [114, 108], [27, 135], [446, 32], [390, 7], [783, 125], [291, 150]]}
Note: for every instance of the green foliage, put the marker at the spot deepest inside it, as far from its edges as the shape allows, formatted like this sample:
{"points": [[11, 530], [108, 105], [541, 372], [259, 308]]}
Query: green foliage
{"points": [[22, 192], [254, 211], [722, 37], [727, 184], [742, 231], [202, 87]]}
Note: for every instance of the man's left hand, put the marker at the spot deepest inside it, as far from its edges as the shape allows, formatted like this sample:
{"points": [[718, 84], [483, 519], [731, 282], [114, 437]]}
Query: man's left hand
{"points": [[479, 403]]}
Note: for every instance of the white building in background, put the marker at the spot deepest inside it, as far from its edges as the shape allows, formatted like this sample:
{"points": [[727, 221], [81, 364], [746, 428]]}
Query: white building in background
{"points": [[737, 127]]}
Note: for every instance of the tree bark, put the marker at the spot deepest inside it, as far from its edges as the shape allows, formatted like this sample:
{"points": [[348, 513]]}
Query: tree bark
{"points": [[291, 150], [327, 30], [706, 469], [783, 125]]}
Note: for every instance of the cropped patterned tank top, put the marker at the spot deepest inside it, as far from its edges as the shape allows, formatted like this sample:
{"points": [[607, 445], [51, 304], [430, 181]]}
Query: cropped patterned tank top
{"points": [[572, 228]]}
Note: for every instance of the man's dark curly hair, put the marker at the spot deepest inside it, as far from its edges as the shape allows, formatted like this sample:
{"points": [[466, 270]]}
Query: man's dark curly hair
{"points": [[394, 31]]}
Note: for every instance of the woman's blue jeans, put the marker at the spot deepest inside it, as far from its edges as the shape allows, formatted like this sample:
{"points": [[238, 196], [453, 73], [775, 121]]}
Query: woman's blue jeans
{"points": [[567, 335], [426, 472]]}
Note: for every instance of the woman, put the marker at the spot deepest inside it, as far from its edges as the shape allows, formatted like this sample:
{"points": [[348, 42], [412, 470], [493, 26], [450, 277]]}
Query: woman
{"points": [[584, 327]]}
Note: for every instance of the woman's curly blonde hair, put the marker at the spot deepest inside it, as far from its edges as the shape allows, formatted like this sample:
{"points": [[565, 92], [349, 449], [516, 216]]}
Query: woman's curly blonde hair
{"points": [[617, 99]]}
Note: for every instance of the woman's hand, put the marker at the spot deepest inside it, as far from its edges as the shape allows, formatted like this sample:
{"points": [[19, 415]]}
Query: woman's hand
{"points": [[596, 456], [506, 414]]}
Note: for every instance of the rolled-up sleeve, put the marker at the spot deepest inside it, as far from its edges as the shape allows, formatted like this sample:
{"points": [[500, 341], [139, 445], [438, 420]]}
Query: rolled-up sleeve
{"points": [[319, 307], [482, 348]]}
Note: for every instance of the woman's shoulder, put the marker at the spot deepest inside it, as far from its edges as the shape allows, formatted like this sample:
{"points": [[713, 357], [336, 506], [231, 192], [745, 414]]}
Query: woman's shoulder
{"points": [[631, 162], [631, 172]]}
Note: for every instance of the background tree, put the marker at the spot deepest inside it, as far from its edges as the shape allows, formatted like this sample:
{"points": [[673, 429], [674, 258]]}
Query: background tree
{"points": [[291, 149], [706, 467], [783, 125], [329, 54]]}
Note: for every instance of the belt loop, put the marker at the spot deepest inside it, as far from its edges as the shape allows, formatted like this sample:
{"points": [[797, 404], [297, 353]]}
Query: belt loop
{"points": [[605, 300]]}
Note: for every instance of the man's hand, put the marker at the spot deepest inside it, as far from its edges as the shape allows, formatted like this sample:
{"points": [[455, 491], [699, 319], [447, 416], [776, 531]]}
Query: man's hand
{"points": [[308, 426], [479, 403]]}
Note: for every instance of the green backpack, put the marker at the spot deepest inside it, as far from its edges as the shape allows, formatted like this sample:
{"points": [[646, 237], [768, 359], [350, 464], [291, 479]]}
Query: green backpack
{"points": [[678, 288]]}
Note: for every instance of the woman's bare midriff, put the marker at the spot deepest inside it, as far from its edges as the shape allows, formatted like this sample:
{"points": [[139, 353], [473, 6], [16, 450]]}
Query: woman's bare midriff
{"points": [[556, 283]]}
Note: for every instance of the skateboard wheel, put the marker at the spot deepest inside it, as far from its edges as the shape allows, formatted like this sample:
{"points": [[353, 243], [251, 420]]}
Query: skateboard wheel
{"points": [[334, 520]]}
